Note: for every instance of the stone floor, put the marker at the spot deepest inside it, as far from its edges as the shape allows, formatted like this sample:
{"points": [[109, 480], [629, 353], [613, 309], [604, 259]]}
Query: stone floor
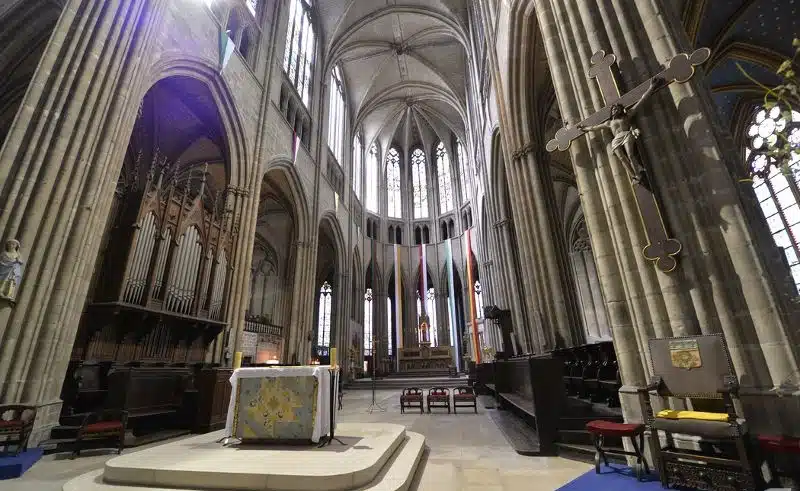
{"points": [[465, 452]]}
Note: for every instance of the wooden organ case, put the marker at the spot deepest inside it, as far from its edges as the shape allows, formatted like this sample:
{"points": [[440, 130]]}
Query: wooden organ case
{"points": [[156, 303]]}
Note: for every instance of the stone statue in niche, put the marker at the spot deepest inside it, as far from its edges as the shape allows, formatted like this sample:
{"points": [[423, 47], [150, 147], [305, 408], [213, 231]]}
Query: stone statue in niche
{"points": [[11, 267], [625, 133]]}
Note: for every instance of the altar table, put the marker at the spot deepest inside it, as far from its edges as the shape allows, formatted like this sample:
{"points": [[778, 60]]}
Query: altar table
{"points": [[280, 404]]}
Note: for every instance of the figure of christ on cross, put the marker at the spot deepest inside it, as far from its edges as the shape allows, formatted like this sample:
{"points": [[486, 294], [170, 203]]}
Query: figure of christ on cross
{"points": [[616, 115], [625, 133]]}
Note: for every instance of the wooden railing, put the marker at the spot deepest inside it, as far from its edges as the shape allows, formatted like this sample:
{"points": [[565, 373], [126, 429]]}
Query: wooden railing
{"points": [[260, 326]]}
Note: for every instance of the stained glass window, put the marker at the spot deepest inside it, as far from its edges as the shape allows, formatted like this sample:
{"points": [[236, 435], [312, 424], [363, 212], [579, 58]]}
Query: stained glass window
{"points": [[778, 192], [420, 184], [336, 115], [478, 300], [299, 54], [368, 322], [357, 150], [372, 179], [324, 321], [463, 170], [445, 184], [393, 184]]}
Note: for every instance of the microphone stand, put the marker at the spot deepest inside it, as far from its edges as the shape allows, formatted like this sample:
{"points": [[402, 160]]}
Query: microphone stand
{"points": [[374, 406]]}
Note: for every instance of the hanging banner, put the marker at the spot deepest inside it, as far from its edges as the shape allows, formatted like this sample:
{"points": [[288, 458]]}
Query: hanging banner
{"points": [[476, 347], [226, 48], [398, 306], [451, 300]]}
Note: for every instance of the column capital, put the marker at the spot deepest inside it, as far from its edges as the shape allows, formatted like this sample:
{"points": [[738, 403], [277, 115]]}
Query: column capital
{"points": [[238, 191], [523, 151], [502, 223]]}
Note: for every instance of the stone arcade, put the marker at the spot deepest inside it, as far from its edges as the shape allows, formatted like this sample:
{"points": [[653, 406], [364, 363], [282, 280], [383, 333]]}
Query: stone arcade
{"points": [[425, 186]]}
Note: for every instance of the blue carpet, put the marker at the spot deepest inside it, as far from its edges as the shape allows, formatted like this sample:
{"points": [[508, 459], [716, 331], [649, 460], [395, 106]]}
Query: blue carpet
{"points": [[614, 477], [11, 466]]}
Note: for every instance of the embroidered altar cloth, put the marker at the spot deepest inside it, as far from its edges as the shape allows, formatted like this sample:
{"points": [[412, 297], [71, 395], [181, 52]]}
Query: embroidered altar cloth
{"points": [[280, 403]]}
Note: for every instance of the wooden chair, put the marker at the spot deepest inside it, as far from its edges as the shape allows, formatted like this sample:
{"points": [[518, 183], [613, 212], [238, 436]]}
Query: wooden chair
{"points": [[698, 368], [16, 424], [411, 398], [465, 396], [107, 426], [769, 446], [439, 397]]}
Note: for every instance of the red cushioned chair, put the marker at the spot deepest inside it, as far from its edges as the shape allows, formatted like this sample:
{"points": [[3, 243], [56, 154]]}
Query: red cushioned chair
{"points": [[439, 397], [16, 424], [411, 398], [600, 429], [465, 396], [107, 426], [784, 445]]}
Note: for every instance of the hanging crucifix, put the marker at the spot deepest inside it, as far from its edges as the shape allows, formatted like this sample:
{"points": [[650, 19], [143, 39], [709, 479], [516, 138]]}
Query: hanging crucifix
{"points": [[617, 116]]}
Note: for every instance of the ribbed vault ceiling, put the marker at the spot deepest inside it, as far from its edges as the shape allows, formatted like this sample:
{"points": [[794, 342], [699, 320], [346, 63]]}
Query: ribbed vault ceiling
{"points": [[404, 64]]}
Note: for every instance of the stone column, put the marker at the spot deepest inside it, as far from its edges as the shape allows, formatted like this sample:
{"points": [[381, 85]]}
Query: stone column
{"points": [[54, 202], [585, 290], [591, 169], [296, 334], [245, 215]]}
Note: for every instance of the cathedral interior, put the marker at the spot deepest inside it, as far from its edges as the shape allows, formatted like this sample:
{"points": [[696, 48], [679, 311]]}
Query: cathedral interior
{"points": [[578, 216]]}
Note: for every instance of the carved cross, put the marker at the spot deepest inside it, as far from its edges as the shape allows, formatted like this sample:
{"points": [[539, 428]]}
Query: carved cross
{"points": [[661, 248]]}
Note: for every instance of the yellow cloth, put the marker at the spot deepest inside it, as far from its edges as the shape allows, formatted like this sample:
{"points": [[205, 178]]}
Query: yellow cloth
{"points": [[673, 414]]}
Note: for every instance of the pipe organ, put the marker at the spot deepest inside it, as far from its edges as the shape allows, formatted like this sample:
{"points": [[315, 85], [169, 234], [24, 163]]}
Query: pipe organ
{"points": [[158, 297]]}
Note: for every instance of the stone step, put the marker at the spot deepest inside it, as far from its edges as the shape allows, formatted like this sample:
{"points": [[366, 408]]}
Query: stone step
{"points": [[380, 457], [401, 383], [399, 472], [396, 475]]}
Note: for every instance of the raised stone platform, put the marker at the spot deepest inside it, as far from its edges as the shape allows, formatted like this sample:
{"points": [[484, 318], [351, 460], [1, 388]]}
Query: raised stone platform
{"points": [[376, 456]]}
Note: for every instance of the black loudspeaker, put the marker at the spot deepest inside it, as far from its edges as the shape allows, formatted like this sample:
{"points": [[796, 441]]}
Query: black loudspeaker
{"points": [[502, 318]]}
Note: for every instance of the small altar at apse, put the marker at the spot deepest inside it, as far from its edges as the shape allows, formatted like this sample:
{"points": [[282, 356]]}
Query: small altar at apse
{"points": [[426, 358], [281, 434]]}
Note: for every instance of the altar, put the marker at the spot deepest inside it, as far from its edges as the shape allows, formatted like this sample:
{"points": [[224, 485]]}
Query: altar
{"points": [[425, 358], [282, 404]]}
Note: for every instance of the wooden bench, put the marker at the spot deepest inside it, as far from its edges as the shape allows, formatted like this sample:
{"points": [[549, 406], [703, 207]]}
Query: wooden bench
{"points": [[439, 397], [466, 397], [411, 398]]}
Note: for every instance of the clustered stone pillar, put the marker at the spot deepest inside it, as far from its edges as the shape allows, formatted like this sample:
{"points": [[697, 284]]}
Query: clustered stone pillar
{"points": [[53, 202], [298, 348], [685, 161]]}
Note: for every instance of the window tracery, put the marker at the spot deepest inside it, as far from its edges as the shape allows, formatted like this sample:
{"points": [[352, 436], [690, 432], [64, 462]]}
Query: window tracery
{"points": [[445, 183], [336, 115], [393, 184], [372, 179], [357, 157], [462, 171], [368, 322], [299, 53], [420, 184], [777, 185], [324, 320]]}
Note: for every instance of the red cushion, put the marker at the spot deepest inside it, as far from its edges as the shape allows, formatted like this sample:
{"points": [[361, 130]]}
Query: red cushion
{"points": [[437, 397], [609, 428], [103, 426], [464, 397], [14, 423], [777, 443], [411, 397]]}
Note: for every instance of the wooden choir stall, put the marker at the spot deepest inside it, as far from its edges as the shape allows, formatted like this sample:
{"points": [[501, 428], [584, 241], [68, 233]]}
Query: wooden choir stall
{"points": [[157, 305]]}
